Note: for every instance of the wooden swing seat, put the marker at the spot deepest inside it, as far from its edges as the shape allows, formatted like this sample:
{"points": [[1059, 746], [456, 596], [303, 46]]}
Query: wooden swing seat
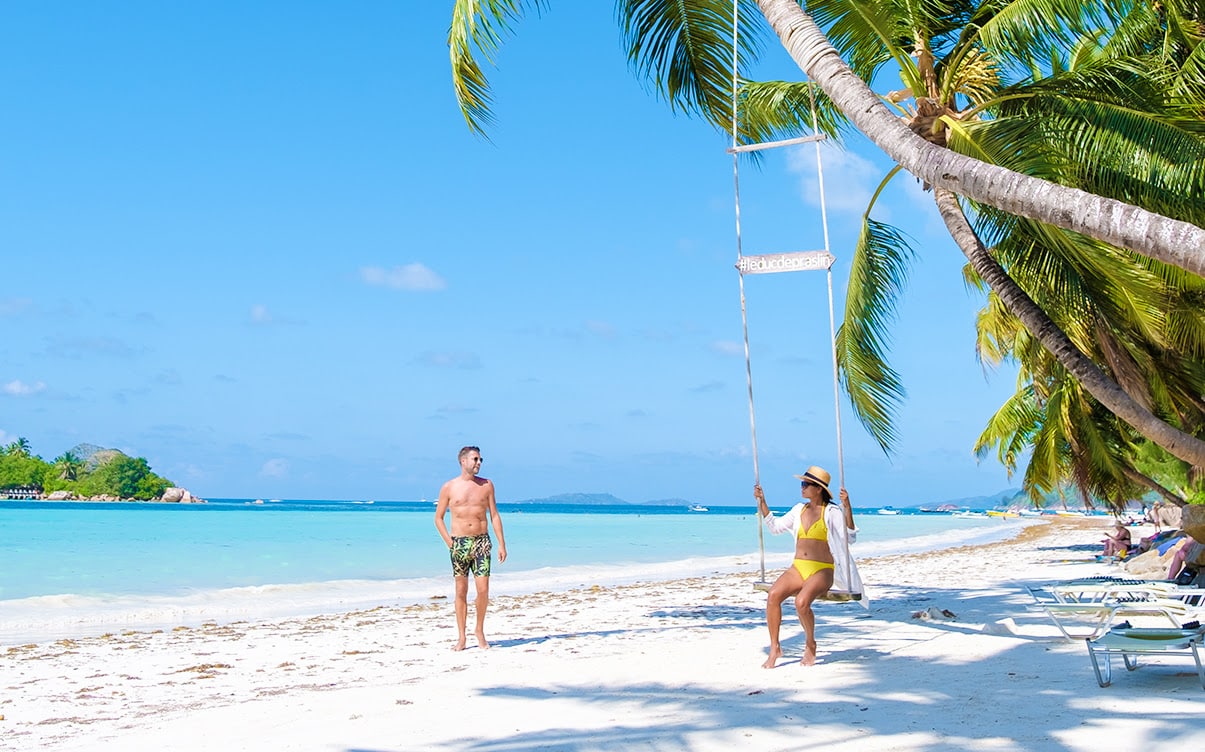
{"points": [[835, 596]]}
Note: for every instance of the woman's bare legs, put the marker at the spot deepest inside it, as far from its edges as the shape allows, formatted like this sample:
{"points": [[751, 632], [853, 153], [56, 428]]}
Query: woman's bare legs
{"points": [[787, 584], [814, 587]]}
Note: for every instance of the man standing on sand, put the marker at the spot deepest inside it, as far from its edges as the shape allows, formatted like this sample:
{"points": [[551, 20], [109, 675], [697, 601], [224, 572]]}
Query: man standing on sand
{"points": [[471, 500]]}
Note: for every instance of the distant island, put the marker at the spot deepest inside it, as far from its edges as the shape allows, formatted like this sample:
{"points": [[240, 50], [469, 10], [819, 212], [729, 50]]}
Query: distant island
{"points": [[600, 499], [1006, 498], [84, 472]]}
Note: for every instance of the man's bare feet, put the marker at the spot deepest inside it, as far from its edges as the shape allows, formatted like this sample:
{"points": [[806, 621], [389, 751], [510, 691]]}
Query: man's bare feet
{"points": [[459, 645], [481, 643], [809, 655], [775, 654]]}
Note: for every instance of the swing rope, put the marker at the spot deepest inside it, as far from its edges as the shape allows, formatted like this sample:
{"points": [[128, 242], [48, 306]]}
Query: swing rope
{"points": [[736, 150], [736, 192]]}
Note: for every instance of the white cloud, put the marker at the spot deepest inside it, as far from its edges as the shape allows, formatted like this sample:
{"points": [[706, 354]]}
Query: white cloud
{"points": [[15, 306], [465, 360], [260, 314], [275, 468], [456, 410], [849, 180], [194, 473], [82, 347], [169, 377], [728, 347], [18, 388], [601, 329], [412, 277]]}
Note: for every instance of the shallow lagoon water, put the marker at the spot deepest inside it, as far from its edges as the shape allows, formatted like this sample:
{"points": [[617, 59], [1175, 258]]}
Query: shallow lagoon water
{"points": [[74, 568]]}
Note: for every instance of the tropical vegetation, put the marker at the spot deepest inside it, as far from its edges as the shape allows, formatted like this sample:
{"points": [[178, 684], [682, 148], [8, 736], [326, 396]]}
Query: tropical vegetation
{"points": [[108, 473], [1064, 145]]}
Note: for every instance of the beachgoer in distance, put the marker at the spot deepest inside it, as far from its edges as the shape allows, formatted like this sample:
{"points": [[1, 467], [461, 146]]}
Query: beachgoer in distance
{"points": [[471, 501], [1154, 514], [822, 530], [1117, 541]]}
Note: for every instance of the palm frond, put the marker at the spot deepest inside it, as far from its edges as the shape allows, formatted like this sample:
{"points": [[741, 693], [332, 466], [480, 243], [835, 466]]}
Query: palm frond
{"points": [[869, 34], [1020, 29], [877, 277], [1133, 32], [478, 27], [1010, 429], [1102, 129], [996, 329], [1188, 84], [684, 48], [783, 109]]}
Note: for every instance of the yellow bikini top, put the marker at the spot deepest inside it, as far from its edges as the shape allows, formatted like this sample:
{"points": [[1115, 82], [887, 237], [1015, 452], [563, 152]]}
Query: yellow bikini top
{"points": [[817, 531]]}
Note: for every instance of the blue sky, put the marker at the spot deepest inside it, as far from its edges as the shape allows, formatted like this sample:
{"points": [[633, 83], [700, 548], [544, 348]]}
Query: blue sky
{"points": [[257, 245]]}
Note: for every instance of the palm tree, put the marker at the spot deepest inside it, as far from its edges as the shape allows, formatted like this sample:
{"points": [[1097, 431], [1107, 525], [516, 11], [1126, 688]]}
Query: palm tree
{"points": [[1169, 240], [694, 67], [951, 63], [1139, 319], [1072, 440], [68, 465], [1070, 357]]}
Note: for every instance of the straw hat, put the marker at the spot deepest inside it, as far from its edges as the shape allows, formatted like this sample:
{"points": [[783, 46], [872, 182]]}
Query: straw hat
{"points": [[819, 476]]}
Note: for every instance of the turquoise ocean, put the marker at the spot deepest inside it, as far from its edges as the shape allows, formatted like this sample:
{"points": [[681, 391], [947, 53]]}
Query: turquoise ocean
{"points": [[75, 569]]}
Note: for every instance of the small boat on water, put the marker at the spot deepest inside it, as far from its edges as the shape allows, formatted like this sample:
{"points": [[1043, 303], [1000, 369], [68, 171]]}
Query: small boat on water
{"points": [[889, 510], [697, 508], [967, 513], [1001, 513]]}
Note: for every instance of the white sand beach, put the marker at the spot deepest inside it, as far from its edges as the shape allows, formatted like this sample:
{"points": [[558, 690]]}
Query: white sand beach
{"points": [[657, 666]]}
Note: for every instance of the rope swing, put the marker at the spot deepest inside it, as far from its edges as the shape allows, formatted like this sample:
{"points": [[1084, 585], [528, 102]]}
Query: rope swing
{"points": [[783, 262]]}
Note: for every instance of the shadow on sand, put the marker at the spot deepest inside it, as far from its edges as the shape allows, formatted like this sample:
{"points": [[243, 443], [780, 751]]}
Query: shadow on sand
{"points": [[950, 700]]}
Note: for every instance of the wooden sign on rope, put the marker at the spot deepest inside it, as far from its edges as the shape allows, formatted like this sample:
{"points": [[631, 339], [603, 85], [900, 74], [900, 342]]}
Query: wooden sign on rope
{"points": [[791, 261]]}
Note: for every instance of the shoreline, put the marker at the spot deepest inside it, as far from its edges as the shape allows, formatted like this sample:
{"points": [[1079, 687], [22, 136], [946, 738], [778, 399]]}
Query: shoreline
{"points": [[43, 618], [668, 665]]}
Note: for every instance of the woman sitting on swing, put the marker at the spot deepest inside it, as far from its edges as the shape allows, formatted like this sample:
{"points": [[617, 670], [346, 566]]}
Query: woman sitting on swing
{"points": [[822, 530]]}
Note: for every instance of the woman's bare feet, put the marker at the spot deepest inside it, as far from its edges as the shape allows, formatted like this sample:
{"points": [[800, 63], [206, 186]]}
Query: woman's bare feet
{"points": [[459, 644], [481, 643], [775, 654]]}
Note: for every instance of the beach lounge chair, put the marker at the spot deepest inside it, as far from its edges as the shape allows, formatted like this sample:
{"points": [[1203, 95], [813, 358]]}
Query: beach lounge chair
{"points": [[1087, 621], [1131, 642], [1115, 592]]}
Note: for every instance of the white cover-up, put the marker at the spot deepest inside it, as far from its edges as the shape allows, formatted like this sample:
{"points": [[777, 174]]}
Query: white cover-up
{"points": [[846, 578]]}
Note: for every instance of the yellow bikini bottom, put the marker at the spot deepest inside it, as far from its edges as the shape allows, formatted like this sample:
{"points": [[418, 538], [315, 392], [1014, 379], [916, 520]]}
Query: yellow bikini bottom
{"points": [[806, 567]]}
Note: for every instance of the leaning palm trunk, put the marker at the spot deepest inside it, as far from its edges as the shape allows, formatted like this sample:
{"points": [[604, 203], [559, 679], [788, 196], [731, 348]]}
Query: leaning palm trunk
{"points": [[1158, 237], [1090, 376], [1151, 483]]}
